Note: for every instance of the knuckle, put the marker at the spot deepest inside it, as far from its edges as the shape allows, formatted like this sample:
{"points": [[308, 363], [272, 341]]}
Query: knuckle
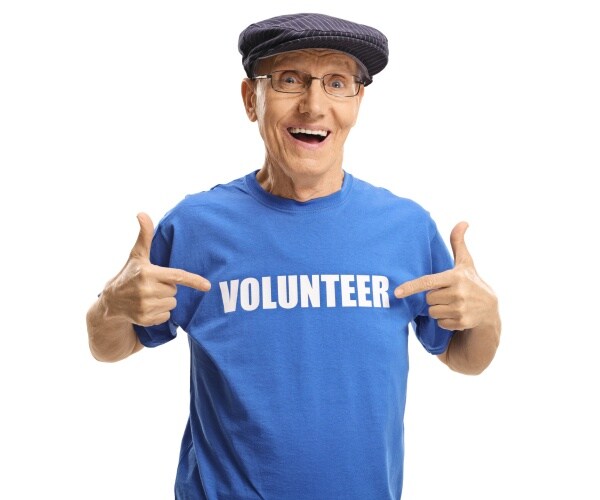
{"points": [[446, 324], [139, 278], [138, 270], [461, 309], [429, 282], [152, 319], [145, 321], [142, 306], [140, 311], [458, 314], [147, 291], [178, 276], [161, 318]]}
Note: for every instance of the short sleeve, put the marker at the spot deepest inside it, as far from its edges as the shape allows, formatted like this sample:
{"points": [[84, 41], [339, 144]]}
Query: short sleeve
{"points": [[433, 338], [160, 254]]}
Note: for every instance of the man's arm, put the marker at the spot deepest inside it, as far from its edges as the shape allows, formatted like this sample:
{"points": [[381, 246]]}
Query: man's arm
{"points": [[111, 339], [142, 294], [461, 301], [471, 351]]}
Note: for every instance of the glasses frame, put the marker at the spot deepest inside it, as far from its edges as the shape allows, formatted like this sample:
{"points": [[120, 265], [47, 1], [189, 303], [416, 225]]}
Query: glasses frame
{"points": [[269, 76]]}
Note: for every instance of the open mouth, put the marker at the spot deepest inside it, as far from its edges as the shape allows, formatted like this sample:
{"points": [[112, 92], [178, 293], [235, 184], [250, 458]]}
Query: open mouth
{"points": [[308, 136]]}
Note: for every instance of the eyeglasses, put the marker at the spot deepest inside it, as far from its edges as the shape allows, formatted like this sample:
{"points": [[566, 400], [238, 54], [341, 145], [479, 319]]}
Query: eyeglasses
{"points": [[291, 81]]}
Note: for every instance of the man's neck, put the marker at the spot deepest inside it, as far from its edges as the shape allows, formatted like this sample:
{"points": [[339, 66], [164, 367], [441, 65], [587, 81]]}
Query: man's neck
{"points": [[299, 187]]}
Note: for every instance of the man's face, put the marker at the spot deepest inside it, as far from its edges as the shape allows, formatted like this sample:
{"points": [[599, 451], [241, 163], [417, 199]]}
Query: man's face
{"points": [[281, 116]]}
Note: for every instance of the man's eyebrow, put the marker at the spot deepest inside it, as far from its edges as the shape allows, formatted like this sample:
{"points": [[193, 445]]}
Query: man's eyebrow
{"points": [[342, 61]]}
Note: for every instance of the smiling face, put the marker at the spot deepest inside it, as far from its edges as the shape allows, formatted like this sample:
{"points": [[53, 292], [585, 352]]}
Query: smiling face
{"points": [[304, 134]]}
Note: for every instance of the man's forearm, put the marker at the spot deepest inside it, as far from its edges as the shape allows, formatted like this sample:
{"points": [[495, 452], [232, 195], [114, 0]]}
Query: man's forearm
{"points": [[110, 339], [471, 351]]}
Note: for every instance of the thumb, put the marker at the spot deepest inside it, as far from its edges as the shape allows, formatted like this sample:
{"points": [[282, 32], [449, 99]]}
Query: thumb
{"points": [[141, 249], [459, 247]]}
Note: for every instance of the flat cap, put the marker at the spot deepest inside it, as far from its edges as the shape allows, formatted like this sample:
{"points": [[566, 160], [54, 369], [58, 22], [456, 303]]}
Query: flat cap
{"points": [[314, 31]]}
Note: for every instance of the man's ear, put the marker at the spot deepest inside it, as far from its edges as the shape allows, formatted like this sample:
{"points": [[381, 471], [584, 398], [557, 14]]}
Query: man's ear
{"points": [[249, 98]]}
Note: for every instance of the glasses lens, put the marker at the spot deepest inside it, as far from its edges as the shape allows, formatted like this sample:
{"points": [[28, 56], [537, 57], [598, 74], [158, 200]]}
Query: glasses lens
{"points": [[288, 81], [293, 81], [341, 84]]}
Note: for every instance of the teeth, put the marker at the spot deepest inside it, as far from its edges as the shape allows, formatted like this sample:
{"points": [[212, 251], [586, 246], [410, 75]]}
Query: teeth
{"points": [[322, 133]]}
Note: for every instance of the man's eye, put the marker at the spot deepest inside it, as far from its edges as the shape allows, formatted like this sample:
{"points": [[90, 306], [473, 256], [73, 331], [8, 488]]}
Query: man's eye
{"points": [[337, 81], [290, 78]]}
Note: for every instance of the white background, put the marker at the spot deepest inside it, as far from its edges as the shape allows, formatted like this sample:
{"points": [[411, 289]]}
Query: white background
{"points": [[487, 112]]}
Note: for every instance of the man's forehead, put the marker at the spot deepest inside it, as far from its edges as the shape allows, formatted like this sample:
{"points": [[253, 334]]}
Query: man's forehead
{"points": [[329, 56]]}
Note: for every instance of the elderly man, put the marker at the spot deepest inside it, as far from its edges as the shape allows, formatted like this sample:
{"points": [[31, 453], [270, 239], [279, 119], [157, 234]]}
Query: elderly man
{"points": [[296, 285]]}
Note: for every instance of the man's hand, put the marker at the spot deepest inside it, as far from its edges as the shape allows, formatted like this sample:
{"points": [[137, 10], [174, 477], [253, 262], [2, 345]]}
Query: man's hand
{"points": [[143, 293], [458, 298]]}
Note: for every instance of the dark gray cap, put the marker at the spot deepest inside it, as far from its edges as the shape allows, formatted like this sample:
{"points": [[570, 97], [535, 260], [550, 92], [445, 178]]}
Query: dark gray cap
{"points": [[314, 31]]}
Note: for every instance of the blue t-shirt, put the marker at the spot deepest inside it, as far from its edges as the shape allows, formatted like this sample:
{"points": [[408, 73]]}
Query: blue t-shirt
{"points": [[299, 356]]}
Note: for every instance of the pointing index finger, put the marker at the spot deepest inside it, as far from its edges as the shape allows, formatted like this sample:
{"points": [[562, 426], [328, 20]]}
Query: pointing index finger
{"points": [[181, 277], [422, 284]]}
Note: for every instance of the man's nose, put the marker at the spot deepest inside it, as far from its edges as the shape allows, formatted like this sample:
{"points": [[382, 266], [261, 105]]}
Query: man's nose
{"points": [[314, 99]]}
